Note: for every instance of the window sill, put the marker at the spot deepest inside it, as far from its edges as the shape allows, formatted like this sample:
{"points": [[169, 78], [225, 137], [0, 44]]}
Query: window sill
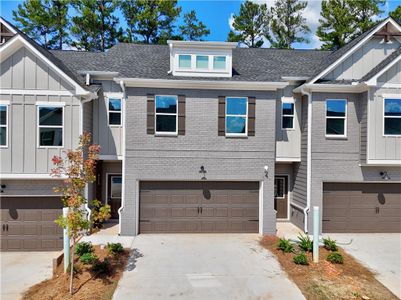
{"points": [[236, 136], [50, 147], [287, 129], [333, 137], [173, 134], [115, 125], [392, 135]]}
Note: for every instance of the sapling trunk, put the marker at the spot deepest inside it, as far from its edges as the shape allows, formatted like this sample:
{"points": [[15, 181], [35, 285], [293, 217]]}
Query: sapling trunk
{"points": [[72, 266]]}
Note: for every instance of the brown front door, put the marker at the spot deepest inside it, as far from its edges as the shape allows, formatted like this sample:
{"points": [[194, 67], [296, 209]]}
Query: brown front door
{"points": [[199, 207], [27, 224], [114, 194], [361, 207], [281, 196]]}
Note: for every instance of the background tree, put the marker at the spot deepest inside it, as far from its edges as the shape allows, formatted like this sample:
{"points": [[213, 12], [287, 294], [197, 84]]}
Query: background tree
{"points": [[79, 167], [250, 25], [95, 25], [46, 21], [287, 26], [364, 11], [193, 29], [396, 14], [153, 20]]}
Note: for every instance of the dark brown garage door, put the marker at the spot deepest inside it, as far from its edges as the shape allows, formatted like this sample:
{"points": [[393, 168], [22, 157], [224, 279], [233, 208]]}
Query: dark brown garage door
{"points": [[27, 223], [198, 207], [361, 207]]}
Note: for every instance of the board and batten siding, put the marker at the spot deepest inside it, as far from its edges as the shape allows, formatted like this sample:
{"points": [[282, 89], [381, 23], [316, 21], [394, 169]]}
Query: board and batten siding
{"points": [[24, 71], [363, 60], [23, 154], [392, 75]]}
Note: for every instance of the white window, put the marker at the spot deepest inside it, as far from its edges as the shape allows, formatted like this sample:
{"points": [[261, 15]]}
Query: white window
{"points": [[336, 118], [219, 62], [115, 186], [184, 61], [3, 125], [392, 117], [114, 108], [202, 62], [236, 116], [166, 115], [287, 115], [50, 126]]}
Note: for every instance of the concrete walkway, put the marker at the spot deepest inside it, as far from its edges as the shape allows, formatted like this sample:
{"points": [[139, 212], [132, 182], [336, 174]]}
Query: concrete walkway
{"points": [[206, 266]]}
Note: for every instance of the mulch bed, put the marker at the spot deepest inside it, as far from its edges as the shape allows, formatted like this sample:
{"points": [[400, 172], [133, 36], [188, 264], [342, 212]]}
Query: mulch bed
{"points": [[325, 280], [87, 285]]}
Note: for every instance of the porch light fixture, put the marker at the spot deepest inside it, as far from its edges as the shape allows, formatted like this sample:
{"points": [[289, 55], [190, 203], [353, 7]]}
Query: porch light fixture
{"points": [[384, 175], [266, 171], [203, 172]]}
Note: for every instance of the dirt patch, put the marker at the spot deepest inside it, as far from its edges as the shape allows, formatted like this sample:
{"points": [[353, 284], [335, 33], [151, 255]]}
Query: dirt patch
{"points": [[87, 284], [325, 280]]}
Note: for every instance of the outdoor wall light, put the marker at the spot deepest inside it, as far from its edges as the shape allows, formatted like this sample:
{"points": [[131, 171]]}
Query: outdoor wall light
{"points": [[203, 172], [384, 175], [266, 171]]}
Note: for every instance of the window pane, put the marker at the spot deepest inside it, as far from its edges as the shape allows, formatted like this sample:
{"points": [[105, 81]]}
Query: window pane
{"points": [[288, 108], [219, 62], [51, 116], [278, 188], [392, 107], [165, 123], [116, 187], [335, 126], [202, 62], [50, 137], [392, 126], [3, 115], [115, 118], [287, 122], [3, 136], [184, 61], [235, 124], [166, 104], [115, 104], [336, 108], [236, 106]]}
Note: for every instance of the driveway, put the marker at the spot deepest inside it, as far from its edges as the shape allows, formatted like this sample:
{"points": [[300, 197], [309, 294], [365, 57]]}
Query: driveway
{"points": [[381, 252], [21, 270], [203, 266]]}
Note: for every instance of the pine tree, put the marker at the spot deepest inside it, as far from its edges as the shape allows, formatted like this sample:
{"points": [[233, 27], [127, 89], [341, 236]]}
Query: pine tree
{"points": [[250, 25], [95, 25], [288, 26], [365, 10], [396, 14], [193, 29], [152, 20], [46, 21]]}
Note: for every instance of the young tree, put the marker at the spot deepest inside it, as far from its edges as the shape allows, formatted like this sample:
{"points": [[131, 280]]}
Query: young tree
{"points": [[250, 25], [95, 25], [396, 14], [193, 29], [153, 20], [45, 21], [79, 168], [288, 26]]}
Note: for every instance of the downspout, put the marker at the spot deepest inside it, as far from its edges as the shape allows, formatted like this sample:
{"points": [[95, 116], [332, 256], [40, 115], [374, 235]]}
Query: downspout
{"points": [[123, 102], [171, 58]]}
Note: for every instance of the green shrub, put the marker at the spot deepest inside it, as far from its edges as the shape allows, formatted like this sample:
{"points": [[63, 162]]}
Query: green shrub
{"points": [[115, 248], [285, 245], [101, 267], [88, 258], [100, 213], [335, 258], [301, 259], [305, 243], [83, 247], [330, 244]]}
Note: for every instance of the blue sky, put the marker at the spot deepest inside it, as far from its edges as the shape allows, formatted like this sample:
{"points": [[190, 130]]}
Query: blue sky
{"points": [[217, 15]]}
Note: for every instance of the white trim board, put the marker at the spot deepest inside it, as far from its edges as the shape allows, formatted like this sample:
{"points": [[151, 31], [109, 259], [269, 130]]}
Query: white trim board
{"points": [[36, 92]]}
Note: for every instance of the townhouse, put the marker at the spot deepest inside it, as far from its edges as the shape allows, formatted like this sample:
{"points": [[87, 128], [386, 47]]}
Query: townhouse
{"points": [[200, 137]]}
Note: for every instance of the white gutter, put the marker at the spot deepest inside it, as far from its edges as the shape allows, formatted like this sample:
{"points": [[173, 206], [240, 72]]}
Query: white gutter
{"points": [[308, 160], [355, 87], [123, 102]]}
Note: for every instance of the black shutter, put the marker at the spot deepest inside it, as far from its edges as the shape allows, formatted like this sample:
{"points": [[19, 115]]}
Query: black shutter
{"points": [[222, 116], [181, 115], [150, 120], [251, 116]]}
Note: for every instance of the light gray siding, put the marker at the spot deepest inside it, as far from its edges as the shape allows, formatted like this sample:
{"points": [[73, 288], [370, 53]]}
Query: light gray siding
{"points": [[23, 70], [392, 75], [363, 112], [180, 158], [363, 60], [30, 187], [87, 114]]}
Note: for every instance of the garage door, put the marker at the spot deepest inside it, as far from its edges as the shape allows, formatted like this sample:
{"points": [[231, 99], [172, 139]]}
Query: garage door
{"points": [[27, 223], [361, 207], [195, 207]]}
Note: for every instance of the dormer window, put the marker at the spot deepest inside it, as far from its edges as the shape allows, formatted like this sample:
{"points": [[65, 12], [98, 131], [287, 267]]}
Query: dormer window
{"points": [[184, 61], [202, 62], [219, 62]]}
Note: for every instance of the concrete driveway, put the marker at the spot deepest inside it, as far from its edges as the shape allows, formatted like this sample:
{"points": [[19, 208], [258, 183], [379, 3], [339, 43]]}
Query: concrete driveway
{"points": [[21, 270], [203, 266], [381, 252]]}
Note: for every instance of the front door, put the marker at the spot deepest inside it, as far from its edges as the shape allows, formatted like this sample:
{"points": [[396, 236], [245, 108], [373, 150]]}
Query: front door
{"points": [[114, 194], [281, 196]]}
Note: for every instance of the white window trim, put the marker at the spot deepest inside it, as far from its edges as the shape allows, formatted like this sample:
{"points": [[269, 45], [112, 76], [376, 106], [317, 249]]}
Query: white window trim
{"points": [[169, 133], [337, 136], [193, 68], [114, 111], [6, 104], [111, 185], [392, 117], [38, 106], [229, 115], [284, 115]]}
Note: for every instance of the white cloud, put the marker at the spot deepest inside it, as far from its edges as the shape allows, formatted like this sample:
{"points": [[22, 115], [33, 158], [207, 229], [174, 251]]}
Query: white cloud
{"points": [[231, 21]]}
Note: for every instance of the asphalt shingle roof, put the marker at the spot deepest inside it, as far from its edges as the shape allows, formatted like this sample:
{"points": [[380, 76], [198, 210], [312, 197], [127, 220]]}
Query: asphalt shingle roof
{"points": [[384, 63]]}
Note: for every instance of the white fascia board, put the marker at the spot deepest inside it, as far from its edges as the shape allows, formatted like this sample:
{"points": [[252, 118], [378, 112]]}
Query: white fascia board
{"points": [[288, 159], [5, 23], [332, 88], [202, 84], [31, 176], [356, 47], [373, 81], [199, 44], [383, 162], [14, 44]]}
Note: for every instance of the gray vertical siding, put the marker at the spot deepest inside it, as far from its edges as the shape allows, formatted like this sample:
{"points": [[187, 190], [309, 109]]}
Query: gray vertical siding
{"points": [[392, 75], [87, 115]]}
